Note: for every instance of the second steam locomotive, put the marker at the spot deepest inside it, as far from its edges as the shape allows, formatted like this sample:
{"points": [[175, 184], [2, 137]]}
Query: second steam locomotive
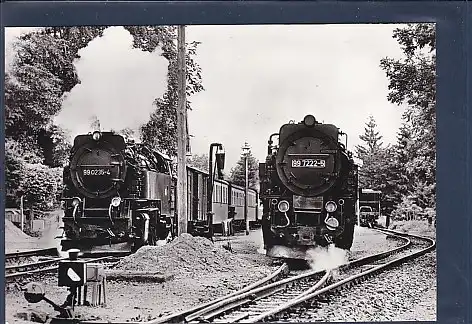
{"points": [[309, 188]]}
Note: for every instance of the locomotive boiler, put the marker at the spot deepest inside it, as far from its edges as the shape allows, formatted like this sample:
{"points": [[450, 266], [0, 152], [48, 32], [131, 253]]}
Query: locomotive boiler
{"points": [[308, 190], [116, 194]]}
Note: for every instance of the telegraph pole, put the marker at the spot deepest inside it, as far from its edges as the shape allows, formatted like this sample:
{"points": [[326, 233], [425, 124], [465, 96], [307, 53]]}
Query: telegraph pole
{"points": [[182, 135], [246, 149]]}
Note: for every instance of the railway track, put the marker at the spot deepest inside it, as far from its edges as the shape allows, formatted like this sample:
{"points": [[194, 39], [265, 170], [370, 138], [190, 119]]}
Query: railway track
{"points": [[266, 302], [26, 270], [30, 253], [305, 307]]}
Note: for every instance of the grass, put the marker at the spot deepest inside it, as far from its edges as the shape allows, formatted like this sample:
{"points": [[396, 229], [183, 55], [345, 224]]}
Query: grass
{"points": [[420, 227]]}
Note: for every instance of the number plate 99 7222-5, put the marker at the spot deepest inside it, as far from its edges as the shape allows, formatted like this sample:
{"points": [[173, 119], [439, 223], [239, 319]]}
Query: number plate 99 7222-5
{"points": [[309, 163]]}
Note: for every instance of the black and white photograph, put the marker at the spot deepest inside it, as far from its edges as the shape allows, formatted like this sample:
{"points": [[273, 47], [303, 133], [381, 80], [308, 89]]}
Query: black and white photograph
{"points": [[220, 173]]}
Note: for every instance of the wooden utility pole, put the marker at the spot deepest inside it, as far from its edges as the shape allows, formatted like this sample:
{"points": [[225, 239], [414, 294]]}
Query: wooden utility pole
{"points": [[181, 134], [22, 211]]}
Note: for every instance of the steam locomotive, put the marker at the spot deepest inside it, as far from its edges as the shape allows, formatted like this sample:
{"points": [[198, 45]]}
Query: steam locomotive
{"points": [[116, 193], [121, 195], [309, 190]]}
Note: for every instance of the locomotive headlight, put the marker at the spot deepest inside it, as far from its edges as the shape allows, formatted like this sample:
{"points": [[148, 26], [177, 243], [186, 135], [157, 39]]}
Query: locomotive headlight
{"points": [[332, 223], [283, 206], [75, 201], [331, 206], [96, 135], [116, 201]]}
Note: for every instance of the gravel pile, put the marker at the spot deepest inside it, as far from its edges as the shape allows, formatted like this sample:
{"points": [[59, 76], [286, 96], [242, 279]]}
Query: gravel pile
{"points": [[183, 257], [406, 293], [13, 233]]}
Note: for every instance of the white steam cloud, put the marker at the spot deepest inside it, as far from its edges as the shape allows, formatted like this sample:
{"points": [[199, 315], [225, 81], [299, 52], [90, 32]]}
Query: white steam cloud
{"points": [[321, 258], [118, 85]]}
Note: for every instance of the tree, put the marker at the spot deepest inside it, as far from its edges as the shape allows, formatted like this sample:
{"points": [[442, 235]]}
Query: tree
{"points": [[198, 161], [161, 129], [371, 137], [372, 155], [238, 172], [412, 81], [41, 72]]}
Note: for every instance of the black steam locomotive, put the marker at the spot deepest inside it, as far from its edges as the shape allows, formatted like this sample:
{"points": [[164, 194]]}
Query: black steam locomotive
{"points": [[309, 188], [116, 194]]}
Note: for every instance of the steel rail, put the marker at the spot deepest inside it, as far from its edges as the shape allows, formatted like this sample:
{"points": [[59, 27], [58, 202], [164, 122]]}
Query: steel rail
{"points": [[45, 270], [29, 253], [350, 280], [26, 265]]}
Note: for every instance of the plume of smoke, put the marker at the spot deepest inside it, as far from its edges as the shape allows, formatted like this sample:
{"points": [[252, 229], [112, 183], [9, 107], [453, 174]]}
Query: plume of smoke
{"points": [[321, 258], [118, 85]]}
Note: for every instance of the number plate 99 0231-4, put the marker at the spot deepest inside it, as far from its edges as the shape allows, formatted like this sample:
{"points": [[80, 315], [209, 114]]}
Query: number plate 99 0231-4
{"points": [[309, 163], [96, 172]]}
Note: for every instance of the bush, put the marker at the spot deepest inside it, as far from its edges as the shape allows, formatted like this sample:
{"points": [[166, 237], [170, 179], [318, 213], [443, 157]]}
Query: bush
{"points": [[41, 186], [406, 209]]}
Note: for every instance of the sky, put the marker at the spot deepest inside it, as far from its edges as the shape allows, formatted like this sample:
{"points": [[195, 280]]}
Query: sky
{"points": [[256, 78]]}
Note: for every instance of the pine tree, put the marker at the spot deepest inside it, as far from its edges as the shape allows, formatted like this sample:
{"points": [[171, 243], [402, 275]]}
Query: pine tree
{"points": [[238, 172], [372, 155], [371, 137]]}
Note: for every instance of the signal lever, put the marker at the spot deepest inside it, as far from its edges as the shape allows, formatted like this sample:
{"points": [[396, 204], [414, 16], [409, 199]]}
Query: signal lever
{"points": [[34, 293]]}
